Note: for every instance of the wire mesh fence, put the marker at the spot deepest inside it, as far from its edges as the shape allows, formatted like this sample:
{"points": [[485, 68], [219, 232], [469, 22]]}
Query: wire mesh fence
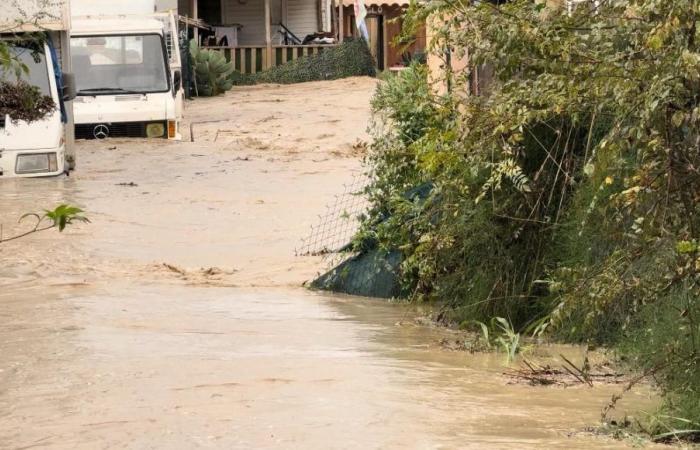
{"points": [[339, 222]]}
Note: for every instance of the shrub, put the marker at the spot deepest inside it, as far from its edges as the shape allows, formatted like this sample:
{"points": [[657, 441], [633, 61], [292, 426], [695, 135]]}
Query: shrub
{"points": [[569, 195], [23, 102], [212, 71], [664, 341]]}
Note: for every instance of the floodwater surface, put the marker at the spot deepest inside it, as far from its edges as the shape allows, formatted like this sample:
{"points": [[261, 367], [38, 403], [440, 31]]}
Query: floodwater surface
{"points": [[168, 366], [176, 318]]}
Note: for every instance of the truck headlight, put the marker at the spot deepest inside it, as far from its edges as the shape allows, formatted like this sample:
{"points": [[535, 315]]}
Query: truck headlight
{"points": [[36, 163], [155, 130]]}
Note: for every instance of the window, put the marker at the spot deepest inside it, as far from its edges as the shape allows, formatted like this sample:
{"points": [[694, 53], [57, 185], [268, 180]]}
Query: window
{"points": [[118, 64], [35, 61]]}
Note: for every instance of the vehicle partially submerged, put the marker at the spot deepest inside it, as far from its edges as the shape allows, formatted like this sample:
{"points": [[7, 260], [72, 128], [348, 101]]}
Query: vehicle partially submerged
{"points": [[38, 34], [127, 68]]}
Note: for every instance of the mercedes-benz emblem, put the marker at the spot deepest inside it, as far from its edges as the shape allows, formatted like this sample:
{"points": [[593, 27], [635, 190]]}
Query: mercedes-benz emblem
{"points": [[100, 131]]}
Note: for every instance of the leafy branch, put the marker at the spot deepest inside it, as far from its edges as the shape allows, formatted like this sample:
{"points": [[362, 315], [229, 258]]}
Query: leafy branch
{"points": [[60, 217]]}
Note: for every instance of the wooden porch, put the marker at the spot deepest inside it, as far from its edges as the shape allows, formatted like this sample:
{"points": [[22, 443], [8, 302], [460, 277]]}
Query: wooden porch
{"points": [[259, 44], [249, 59]]}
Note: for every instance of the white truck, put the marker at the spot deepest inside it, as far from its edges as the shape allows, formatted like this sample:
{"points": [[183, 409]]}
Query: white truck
{"points": [[127, 70], [38, 33]]}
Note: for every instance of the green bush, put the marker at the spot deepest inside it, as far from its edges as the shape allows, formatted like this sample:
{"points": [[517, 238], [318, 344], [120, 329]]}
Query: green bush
{"points": [[663, 339], [212, 71], [569, 196]]}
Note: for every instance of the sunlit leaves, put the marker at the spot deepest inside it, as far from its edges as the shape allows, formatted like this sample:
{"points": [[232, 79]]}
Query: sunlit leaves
{"points": [[59, 217]]}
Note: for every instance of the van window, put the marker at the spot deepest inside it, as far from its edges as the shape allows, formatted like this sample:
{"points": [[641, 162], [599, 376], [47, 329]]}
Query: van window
{"points": [[113, 64], [35, 61]]}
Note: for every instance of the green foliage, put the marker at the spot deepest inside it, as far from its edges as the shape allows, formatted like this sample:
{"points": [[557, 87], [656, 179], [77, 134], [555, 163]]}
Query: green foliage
{"points": [[566, 199], [509, 340], [64, 215], [407, 104], [212, 71], [24, 102], [6, 58], [501, 332], [19, 99], [664, 340], [59, 217]]}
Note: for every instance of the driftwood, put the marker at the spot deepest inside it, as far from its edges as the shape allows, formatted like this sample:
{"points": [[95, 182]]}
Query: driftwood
{"points": [[567, 375]]}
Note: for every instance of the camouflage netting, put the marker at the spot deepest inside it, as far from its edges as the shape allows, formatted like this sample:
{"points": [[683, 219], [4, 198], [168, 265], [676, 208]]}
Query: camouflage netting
{"points": [[349, 59], [373, 273]]}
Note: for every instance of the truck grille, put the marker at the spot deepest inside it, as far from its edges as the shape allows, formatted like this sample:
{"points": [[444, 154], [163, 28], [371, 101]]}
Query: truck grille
{"points": [[120, 129]]}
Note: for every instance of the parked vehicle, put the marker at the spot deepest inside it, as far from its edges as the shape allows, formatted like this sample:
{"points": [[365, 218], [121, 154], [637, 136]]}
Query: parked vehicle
{"points": [[127, 70], [38, 34]]}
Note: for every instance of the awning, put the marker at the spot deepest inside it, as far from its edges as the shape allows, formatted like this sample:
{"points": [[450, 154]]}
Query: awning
{"points": [[386, 3], [377, 3]]}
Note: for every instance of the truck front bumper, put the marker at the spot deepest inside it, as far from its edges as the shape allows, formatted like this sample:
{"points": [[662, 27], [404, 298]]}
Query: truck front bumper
{"points": [[32, 163]]}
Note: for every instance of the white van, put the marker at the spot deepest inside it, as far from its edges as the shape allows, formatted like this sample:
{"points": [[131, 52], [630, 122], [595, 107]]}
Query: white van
{"points": [[44, 147], [127, 82]]}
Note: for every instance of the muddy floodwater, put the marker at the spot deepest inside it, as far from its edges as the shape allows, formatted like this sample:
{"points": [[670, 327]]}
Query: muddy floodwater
{"points": [[176, 318]]}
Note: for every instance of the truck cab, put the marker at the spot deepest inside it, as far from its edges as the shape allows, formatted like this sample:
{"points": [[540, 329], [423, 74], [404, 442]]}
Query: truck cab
{"points": [[37, 148], [125, 83], [37, 34]]}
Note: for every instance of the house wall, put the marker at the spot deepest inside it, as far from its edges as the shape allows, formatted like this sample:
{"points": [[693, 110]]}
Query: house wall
{"points": [[251, 15], [302, 17]]}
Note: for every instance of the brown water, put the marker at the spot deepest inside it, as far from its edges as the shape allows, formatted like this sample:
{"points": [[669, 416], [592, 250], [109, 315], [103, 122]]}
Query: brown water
{"points": [[165, 366], [105, 347]]}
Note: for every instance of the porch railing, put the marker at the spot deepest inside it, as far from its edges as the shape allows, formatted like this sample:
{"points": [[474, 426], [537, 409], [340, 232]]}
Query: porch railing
{"points": [[250, 59]]}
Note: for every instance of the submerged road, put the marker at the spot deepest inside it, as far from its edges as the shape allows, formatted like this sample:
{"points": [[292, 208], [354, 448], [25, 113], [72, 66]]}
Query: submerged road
{"points": [[176, 319]]}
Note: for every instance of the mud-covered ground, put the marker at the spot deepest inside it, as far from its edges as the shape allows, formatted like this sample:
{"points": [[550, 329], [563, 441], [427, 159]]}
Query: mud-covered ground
{"points": [[176, 319]]}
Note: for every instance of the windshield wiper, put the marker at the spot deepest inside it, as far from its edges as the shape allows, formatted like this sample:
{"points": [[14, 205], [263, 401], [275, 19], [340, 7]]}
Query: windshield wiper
{"points": [[108, 90]]}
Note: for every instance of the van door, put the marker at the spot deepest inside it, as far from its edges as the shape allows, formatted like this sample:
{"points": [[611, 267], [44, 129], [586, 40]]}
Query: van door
{"points": [[172, 45]]}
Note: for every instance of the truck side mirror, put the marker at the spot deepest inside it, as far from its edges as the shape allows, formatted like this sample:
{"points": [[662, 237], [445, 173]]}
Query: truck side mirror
{"points": [[177, 82], [69, 91]]}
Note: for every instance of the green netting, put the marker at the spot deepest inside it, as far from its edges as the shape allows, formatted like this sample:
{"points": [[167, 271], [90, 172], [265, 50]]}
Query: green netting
{"points": [[373, 273]]}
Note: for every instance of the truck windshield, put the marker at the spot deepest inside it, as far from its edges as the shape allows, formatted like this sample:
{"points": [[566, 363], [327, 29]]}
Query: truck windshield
{"points": [[119, 64], [37, 72]]}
